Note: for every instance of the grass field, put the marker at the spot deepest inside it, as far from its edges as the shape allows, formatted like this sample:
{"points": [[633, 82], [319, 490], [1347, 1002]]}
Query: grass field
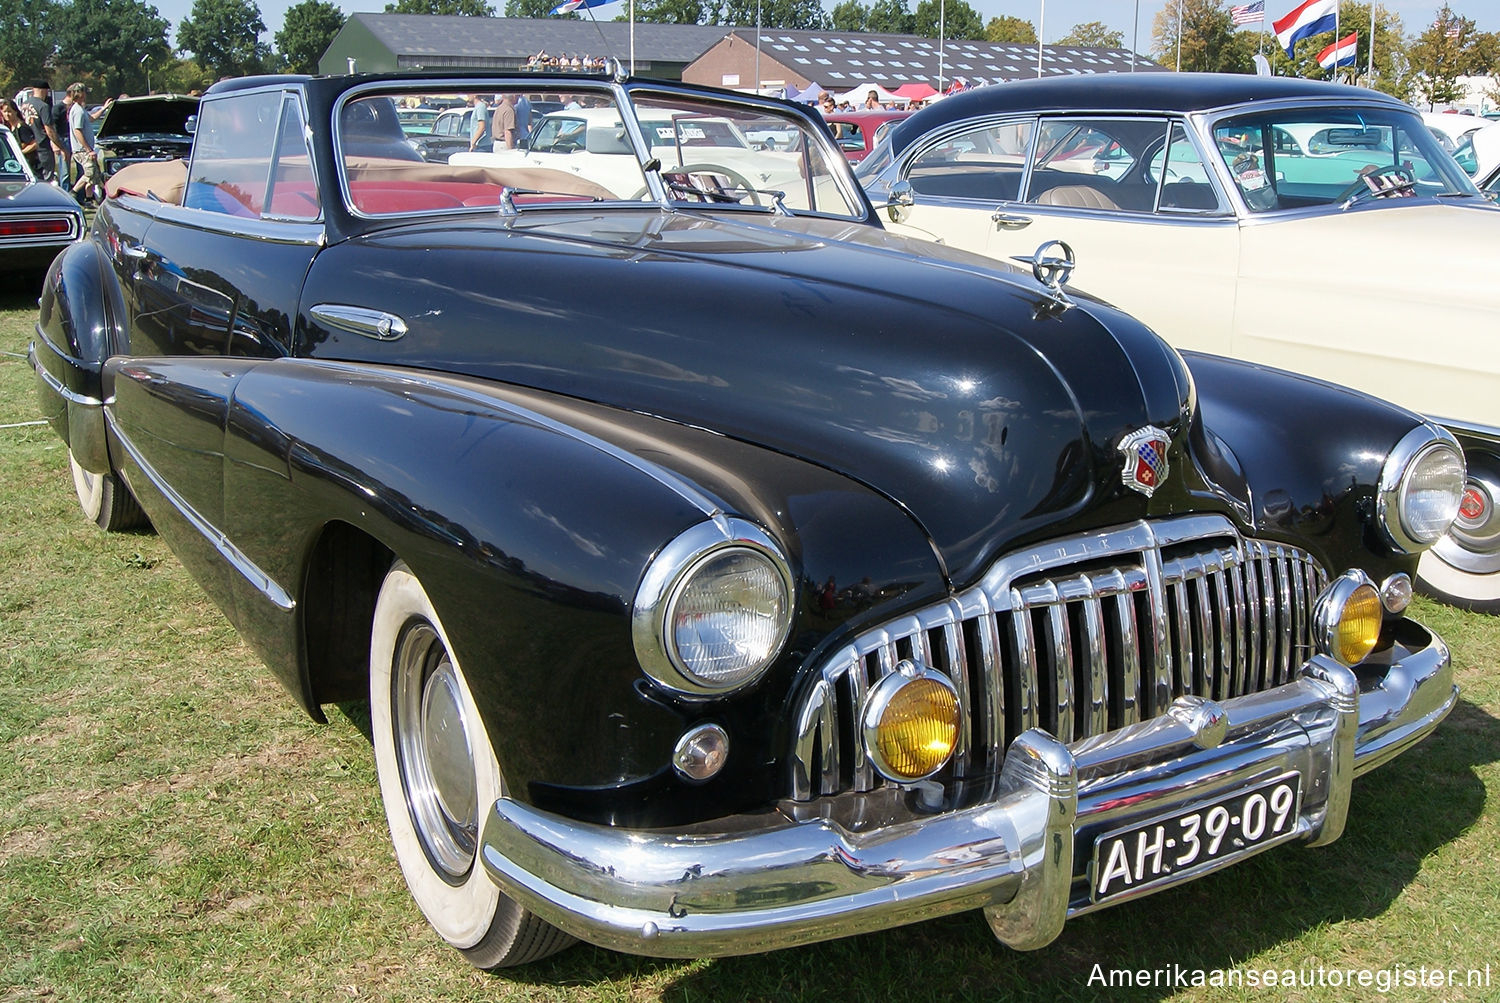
{"points": [[173, 828]]}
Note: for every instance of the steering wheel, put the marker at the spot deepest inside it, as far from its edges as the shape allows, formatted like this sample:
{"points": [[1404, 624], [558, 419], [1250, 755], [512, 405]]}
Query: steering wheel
{"points": [[737, 181], [1361, 187]]}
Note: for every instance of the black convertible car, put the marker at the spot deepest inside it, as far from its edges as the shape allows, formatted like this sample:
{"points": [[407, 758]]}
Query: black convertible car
{"points": [[722, 574]]}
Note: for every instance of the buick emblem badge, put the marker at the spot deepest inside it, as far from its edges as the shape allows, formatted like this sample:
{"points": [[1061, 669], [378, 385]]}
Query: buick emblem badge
{"points": [[1145, 452]]}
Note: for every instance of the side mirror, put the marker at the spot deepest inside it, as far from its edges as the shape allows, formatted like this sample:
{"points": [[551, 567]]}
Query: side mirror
{"points": [[191, 125], [898, 205]]}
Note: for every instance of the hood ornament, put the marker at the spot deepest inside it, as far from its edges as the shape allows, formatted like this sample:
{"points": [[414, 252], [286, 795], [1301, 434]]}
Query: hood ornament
{"points": [[1145, 452], [1052, 266]]}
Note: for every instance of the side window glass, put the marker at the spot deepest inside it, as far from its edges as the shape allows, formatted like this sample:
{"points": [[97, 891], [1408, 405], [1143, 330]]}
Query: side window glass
{"points": [[231, 165], [1095, 164], [1185, 184], [983, 163], [293, 193]]}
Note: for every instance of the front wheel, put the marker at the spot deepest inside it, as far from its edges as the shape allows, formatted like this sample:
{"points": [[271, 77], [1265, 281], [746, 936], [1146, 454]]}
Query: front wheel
{"points": [[438, 776], [1464, 568], [105, 499]]}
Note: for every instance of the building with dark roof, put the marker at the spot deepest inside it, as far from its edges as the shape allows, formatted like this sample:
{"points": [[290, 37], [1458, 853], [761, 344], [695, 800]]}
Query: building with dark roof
{"points": [[840, 60], [386, 42], [706, 54]]}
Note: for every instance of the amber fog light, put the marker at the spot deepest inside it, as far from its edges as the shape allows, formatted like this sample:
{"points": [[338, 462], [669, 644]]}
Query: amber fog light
{"points": [[1348, 617], [911, 723]]}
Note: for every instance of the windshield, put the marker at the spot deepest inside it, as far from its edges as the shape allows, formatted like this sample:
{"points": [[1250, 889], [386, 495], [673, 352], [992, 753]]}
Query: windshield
{"points": [[577, 143], [12, 164], [1300, 158]]}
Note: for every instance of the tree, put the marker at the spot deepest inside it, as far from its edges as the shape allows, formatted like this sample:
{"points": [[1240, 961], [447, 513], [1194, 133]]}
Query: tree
{"points": [[1438, 57], [1012, 30], [108, 44], [667, 12], [224, 37], [1208, 41], [468, 8], [959, 20], [1094, 34], [182, 76], [543, 8], [851, 15], [305, 33], [890, 17], [793, 14], [26, 42]]}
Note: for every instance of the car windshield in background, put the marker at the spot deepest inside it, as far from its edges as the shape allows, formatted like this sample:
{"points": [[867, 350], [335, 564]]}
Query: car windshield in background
{"points": [[1296, 159], [12, 163], [557, 147]]}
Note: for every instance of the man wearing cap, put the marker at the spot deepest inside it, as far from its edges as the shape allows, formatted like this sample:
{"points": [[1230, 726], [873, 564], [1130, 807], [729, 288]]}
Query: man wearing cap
{"points": [[36, 111]]}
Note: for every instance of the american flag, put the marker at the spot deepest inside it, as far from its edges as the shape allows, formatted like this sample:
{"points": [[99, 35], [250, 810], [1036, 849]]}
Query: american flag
{"points": [[1249, 13]]}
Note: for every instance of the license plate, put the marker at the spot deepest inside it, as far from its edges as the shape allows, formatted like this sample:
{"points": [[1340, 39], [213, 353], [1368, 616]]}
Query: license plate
{"points": [[1152, 852]]}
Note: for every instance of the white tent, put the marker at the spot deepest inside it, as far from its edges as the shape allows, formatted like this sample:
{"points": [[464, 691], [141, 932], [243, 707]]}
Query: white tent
{"points": [[856, 96]]}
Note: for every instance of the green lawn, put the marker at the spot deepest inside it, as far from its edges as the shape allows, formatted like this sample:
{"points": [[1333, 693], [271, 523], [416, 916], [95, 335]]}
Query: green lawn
{"points": [[173, 828]]}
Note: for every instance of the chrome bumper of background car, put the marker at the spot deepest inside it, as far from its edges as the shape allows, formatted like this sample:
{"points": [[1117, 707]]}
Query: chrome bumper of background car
{"points": [[1022, 855]]}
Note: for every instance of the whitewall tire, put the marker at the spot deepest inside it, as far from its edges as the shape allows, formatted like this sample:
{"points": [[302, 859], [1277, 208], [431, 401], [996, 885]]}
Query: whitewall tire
{"points": [[438, 778]]}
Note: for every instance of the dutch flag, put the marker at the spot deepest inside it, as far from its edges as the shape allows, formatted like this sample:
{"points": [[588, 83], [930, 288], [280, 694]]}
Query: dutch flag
{"points": [[1312, 17], [1340, 53]]}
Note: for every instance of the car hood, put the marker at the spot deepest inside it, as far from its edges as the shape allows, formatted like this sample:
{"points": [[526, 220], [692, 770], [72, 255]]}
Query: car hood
{"points": [[937, 380], [164, 116]]}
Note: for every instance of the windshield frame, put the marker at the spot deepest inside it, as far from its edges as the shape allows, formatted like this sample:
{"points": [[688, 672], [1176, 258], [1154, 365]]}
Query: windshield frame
{"points": [[623, 94]]}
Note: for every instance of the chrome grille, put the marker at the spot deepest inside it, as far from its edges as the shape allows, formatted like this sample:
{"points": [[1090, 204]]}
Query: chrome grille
{"points": [[1079, 637]]}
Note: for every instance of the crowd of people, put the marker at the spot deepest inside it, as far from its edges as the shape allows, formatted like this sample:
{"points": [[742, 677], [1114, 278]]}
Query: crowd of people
{"points": [[565, 62], [58, 142]]}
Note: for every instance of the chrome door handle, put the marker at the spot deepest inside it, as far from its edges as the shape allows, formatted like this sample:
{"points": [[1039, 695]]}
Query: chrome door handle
{"points": [[136, 252], [1006, 221]]}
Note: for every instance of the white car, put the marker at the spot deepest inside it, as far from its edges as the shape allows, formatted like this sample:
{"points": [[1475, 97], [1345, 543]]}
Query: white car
{"points": [[1308, 226], [593, 144]]}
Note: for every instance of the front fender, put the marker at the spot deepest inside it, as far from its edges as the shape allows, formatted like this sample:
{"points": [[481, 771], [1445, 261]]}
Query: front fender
{"points": [[530, 519], [1311, 453], [78, 327]]}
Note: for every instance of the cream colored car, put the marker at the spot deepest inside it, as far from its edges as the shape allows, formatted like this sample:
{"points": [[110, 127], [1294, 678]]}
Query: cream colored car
{"points": [[1312, 227]]}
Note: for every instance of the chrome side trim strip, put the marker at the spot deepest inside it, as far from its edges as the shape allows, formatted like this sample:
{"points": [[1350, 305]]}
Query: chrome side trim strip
{"points": [[233, 556]]}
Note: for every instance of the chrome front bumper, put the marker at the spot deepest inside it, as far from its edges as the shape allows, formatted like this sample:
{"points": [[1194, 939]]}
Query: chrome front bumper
{"points": [[1023, 855]]}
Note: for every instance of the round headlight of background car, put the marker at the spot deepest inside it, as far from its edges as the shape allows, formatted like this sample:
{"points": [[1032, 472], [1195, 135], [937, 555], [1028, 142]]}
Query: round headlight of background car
{"points": [[713, 609], [1421, 487]]}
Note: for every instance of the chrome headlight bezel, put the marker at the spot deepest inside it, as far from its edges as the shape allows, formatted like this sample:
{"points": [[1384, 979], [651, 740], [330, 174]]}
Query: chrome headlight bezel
{"points": [[663, 584], [1417, 448]]}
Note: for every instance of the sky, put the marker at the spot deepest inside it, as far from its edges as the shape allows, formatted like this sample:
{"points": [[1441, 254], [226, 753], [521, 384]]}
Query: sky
{"points": [[1055, 18]]}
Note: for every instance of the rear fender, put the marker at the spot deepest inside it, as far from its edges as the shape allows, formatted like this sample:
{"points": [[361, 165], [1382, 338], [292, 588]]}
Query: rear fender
{"points": [[78, 327]]}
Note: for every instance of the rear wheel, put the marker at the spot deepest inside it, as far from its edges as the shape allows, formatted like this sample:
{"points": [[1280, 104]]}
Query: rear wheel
{"points": [[105, 499], [438, 776]]}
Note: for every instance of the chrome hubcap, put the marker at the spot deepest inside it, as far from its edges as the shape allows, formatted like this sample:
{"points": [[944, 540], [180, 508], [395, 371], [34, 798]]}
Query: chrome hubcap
{"points": [[432, 747]]}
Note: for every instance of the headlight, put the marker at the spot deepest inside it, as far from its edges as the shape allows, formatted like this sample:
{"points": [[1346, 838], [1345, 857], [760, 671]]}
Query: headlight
{"points": [[713, 609], [1421, 486]]}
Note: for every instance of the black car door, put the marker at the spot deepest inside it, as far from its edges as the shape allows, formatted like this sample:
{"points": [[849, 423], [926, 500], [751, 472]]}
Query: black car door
{"points": [[214, 277]]}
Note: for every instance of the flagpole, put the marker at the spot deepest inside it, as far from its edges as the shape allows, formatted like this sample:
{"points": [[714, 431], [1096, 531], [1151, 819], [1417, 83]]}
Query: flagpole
{"points": [[1041, 32], [632, 38], [1370, 73], [1179, 36], [1338, 9], [1135, 40]]}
